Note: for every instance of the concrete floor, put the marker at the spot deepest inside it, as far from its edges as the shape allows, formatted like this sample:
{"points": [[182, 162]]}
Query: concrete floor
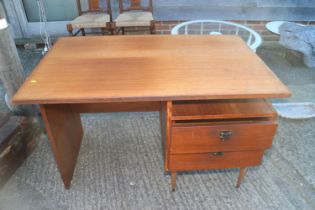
{"points": [[115, 177]]}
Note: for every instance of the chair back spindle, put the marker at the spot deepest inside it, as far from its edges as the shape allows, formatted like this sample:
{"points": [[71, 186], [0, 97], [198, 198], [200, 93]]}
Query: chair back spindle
{"points": [[237, 30], [201, 28], [249, 40]]}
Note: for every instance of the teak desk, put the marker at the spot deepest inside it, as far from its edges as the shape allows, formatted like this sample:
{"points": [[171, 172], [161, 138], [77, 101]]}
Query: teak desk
{"points": [[210, 91]]}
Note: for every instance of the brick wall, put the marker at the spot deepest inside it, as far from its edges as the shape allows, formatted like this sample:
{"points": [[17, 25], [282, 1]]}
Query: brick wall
{"points": [[165, 27]]}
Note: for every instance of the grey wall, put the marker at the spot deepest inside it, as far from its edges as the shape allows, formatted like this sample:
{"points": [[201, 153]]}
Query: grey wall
{"points": [[197, 9], [56, 10], [235, 9]]}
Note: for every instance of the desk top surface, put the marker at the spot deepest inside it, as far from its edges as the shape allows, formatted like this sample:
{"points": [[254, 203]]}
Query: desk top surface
{"points": [[97, 69]]}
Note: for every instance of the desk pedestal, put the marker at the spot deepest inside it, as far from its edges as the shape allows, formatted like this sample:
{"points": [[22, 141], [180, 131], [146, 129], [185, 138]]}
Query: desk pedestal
{"points": [[216, 134]]}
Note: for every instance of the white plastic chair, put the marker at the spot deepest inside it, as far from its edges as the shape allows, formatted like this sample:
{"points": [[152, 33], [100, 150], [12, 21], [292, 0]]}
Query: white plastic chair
{"points": [[218, 27]]}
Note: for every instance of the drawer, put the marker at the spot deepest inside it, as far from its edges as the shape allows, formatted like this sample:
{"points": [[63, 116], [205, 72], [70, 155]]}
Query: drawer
{"points": [[219, 160], [224, 137]]}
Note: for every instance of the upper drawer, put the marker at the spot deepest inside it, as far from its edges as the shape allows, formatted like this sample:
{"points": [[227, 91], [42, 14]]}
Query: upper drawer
{"points": [[222, 109], [224, 137]]}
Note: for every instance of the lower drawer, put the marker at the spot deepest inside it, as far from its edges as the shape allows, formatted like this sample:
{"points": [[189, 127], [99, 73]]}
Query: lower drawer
{"points": [[215, 160]]}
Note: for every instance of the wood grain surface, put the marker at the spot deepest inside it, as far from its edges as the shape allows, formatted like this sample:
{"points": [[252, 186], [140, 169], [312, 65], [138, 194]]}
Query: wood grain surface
{"points": [[149, 68]]}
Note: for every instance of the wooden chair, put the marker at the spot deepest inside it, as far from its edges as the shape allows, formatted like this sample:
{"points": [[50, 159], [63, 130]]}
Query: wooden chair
{"points": [[135, 15], [93, 17]]}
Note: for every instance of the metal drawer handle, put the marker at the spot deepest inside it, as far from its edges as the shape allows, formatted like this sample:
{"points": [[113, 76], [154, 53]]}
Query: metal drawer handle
{"points": [[218, 154], [225, 135]]}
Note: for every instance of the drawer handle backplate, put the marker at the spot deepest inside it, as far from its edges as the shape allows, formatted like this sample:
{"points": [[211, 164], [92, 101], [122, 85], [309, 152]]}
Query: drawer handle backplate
{"points": [[225, 135]]}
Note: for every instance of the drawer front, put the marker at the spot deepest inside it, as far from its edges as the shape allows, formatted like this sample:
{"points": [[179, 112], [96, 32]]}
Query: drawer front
{"points": [[218, 160], [229, 137]]}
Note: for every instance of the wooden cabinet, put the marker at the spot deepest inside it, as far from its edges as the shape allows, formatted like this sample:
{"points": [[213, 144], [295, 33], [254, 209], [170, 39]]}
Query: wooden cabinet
{"points": [[216, 134]]}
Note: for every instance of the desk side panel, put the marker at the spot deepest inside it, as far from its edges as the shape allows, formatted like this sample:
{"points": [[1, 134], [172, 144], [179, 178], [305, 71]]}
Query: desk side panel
{"points": [[65, 133], [165, 119]]}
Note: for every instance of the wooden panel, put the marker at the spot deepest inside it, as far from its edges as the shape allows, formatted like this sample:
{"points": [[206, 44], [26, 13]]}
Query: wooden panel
{"points": [[117, 107], [244, 136], [183, 162], [93, 4], [64, 130], [148, 68], [15, 156], [165, 120], [135, 3], [222, 109], [15, 145]]}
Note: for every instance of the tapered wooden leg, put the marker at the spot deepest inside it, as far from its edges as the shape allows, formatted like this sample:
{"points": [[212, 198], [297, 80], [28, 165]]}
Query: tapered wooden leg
{"points": [[241, 176], [173, 181], [65, 133]]}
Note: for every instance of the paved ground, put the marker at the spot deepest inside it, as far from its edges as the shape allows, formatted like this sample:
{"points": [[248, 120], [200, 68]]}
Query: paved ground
{"points": [[120, 163]]}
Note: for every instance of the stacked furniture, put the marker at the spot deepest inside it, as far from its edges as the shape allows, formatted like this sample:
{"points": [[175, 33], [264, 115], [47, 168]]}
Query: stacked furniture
{"points": [[133, 14]]}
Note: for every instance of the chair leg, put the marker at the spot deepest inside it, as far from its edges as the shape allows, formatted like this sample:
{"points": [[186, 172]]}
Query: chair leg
{"points": [[123, 31], [103, 31], [241, 176], [70, 29], [111, 27], [152, 27], [82, 31], [173, 181]]}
